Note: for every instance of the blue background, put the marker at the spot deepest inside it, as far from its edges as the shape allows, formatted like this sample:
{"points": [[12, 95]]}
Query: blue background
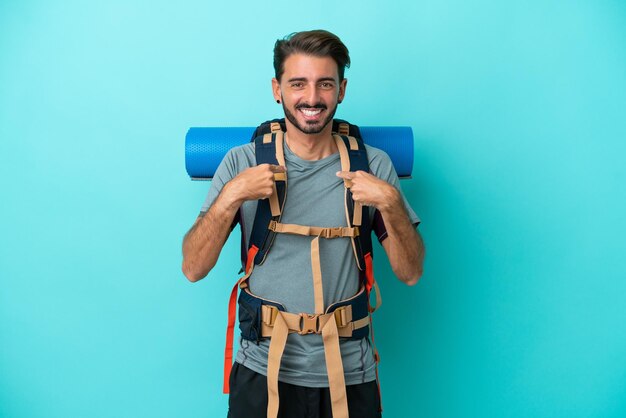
{"points": [[518, 113]]}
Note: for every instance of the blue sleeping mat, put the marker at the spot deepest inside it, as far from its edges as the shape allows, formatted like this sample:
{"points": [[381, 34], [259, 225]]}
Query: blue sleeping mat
{"points": [[205, 147]]}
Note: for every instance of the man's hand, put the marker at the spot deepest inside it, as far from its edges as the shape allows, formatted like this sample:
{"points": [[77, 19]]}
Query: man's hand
{"points": [[253, 183], [403, 245], [369, 190], [204, 241]]}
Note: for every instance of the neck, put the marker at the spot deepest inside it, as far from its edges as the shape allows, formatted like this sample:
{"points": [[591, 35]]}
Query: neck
{"points": [[311, 146]]}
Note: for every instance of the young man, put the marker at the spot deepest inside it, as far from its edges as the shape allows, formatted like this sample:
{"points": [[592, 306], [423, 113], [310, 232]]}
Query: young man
{"points": [[309, 83]]}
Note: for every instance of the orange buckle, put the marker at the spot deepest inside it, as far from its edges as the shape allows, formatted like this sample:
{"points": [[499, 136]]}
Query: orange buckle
{"points": [[309, 324]]}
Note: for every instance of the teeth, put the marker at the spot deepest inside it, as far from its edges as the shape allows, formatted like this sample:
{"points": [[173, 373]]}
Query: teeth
{"points": [[308, 112]]}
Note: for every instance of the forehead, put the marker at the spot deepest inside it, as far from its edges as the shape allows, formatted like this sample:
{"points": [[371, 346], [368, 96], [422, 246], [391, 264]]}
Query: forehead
{"points": [[309, 67]]}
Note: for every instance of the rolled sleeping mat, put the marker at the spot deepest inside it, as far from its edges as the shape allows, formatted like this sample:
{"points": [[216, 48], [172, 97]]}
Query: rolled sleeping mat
{"points": [[206, 147]]}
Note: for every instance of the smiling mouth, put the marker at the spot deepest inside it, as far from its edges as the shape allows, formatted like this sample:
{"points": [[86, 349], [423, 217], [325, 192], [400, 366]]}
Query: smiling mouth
{"points": [[311, 112]]}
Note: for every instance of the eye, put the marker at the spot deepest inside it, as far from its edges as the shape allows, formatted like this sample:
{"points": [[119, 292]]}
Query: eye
{"points": [[297, 85], [326, 85]]}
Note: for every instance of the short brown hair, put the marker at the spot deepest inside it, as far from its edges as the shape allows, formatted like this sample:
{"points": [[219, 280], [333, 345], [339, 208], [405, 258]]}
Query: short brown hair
{"points": [[319, 43]]}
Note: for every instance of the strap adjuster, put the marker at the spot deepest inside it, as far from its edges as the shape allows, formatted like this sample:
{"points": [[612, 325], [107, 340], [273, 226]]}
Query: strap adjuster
{"points": [[331, 232], [269, 314], [341, 317]]}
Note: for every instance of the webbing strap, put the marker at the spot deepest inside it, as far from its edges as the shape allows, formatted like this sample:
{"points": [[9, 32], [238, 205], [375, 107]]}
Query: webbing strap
{"points": [[274, 205], [318, 290], [370, 283], [369, 272], [377, 359], [344, 129], [354, 242], [277, 137], [230, 329], [334, 368], [232, 312], [275, 354], [357, 219], [346, 166], [344, 157], [275, 127], [379, 298], [354, 145]]}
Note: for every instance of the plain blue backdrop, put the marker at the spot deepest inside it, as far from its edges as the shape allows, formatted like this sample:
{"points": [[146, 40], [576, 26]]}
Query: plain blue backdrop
{"points": [[518, 114]]}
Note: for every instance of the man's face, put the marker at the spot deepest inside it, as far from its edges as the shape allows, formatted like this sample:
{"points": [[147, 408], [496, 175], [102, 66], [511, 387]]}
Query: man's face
{"points": [[309, 91]]}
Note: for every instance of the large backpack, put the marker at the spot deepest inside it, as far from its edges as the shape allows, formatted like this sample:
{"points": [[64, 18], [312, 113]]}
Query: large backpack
{"points": [[260, 318]]}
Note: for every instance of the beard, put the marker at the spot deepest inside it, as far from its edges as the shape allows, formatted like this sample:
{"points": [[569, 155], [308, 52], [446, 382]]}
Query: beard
{"points": [[313, 127]]}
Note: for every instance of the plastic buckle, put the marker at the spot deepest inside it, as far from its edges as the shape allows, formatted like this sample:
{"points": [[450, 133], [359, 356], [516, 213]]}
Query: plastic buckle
{"points": [[272, 226], [309, 324], [331, 232]]}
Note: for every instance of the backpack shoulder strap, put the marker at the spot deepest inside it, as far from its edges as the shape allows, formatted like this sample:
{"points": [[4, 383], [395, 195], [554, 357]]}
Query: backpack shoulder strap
{"points": [[353, 158], [269, 150]]}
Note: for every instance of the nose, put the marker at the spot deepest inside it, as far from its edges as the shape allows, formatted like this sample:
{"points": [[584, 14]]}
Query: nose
{"points": [[313, 96]]}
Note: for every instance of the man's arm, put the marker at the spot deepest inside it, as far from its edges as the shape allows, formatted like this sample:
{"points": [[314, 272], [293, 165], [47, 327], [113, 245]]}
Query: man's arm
{"points": [[204, 241], [403, 245]]}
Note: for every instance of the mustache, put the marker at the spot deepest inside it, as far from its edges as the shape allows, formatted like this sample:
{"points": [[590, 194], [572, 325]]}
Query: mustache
{"points": [[308, 106]]}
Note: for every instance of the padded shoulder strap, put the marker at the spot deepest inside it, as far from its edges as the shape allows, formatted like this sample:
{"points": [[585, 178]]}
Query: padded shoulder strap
{"points": [[269, 150], [354, 158]]}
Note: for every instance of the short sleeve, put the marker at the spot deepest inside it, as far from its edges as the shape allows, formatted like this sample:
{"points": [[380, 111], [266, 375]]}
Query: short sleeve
{"points": [[236, 160], [382, 167]]}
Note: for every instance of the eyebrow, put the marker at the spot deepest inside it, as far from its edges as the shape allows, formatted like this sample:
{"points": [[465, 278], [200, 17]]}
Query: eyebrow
{"points": [[291, 80]]}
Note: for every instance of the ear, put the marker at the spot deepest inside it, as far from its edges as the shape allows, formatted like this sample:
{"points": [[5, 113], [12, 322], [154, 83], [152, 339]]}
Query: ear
{"points": [[276, 89], [342, 90]]}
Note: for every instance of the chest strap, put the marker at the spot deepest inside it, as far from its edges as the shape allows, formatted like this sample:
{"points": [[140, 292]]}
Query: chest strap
{"points": [[324, 232]]}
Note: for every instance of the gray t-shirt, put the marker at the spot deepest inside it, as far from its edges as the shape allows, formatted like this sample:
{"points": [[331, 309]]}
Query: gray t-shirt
{"points": [[315, 197]]}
